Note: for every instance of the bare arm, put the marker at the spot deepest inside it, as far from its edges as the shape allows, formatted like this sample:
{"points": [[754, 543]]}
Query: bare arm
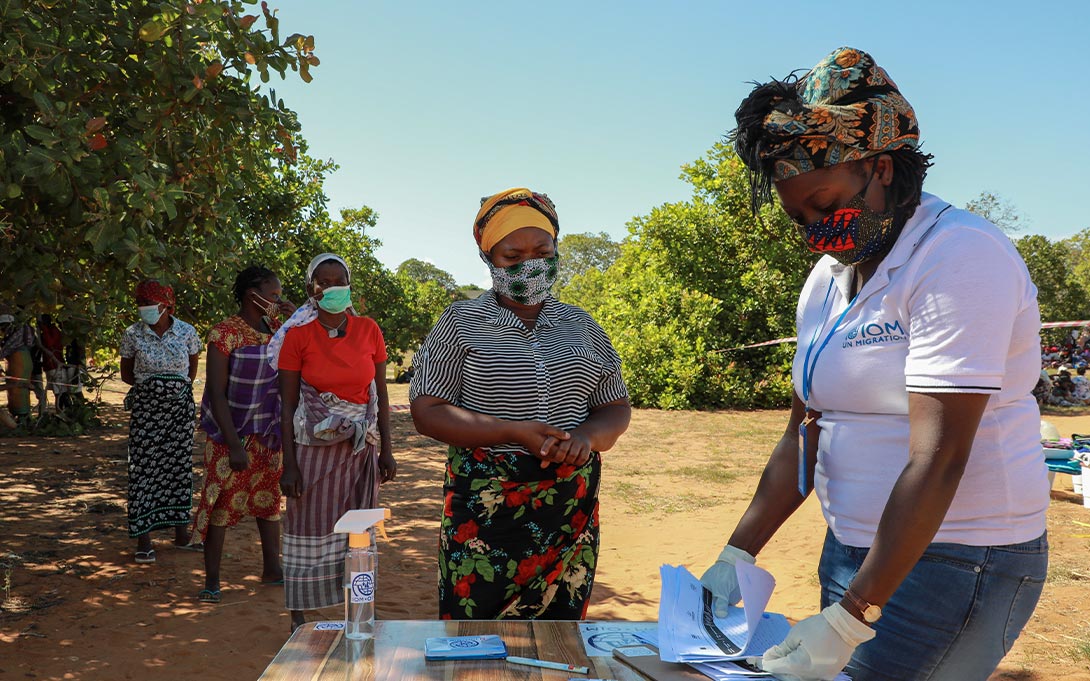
{"points": [[291, 482], [777, 495], [941, 432], [386, 463], [598, 433], [194, 360], [460, 427], [128, 374], [216, 377]]}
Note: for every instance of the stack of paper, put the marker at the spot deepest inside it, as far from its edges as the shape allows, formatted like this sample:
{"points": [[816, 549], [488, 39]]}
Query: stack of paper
{"points": [[690, 632]]}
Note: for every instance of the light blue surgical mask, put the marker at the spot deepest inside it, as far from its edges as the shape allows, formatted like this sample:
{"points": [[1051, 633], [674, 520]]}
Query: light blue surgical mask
{"points": [[336, 299], [150, 314]]}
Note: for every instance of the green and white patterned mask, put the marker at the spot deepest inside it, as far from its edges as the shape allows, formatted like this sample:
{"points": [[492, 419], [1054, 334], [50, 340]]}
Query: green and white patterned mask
{"points": [[528, 282]]}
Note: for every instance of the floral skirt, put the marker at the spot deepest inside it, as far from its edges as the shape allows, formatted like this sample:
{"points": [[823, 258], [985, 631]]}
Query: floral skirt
{"points": [[517, 541], [160, 453], [229, 495]]}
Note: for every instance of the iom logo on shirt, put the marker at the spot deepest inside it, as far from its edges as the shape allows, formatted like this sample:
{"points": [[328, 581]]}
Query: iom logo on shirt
{"points": [[875, 333]]}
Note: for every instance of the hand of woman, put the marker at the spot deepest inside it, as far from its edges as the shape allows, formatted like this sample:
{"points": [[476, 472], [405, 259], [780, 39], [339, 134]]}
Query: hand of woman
{"points": [[538, 438], [575, 451], [287, 308], [291, 482], [239, 459], [387, 466]]}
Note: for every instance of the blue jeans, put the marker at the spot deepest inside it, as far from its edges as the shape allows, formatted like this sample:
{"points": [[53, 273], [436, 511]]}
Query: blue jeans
{"points": [[953, 618]]}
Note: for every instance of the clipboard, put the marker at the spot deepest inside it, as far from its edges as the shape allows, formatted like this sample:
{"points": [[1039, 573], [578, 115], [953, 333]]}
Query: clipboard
{"points": [[644, 658]]}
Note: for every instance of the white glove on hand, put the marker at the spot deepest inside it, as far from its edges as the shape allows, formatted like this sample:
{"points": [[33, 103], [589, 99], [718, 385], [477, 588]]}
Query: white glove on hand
{"points": [[722, 580], [817, 648]]}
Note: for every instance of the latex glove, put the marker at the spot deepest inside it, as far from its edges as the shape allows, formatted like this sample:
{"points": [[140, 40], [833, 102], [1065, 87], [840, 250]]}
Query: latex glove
{"points": [[817, 648], [722, 580]]}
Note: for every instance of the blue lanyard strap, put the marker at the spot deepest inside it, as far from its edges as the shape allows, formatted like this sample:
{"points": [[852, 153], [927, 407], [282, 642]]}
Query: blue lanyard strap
{"points": [[808, 366]]}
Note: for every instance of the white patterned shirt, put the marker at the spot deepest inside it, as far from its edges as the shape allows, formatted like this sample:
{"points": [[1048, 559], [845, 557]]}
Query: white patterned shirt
{"points": [[154, 355]]}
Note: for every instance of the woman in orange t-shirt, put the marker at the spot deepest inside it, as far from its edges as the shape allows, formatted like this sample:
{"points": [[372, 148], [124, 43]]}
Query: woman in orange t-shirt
{"points": [[334, 421]]}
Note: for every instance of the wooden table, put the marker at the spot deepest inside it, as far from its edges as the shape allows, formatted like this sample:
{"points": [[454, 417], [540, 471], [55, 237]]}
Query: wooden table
{"points": [[397, 652]]}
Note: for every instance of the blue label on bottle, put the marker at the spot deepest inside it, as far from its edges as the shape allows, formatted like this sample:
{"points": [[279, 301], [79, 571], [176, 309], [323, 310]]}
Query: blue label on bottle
{"points": [[363, 587]]}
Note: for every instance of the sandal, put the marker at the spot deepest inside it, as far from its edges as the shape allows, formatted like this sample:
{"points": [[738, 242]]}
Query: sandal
{"points": [[198, 546], [209, 596], [145, 556]]}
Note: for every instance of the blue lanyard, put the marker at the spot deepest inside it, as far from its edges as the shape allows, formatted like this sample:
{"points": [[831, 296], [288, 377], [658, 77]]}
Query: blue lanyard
{"points": [[807, 366]]}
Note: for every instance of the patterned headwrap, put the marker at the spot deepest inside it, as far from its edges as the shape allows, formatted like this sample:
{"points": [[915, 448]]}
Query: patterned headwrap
{"points": [[844, 109], [149, 289], [511, 210]]}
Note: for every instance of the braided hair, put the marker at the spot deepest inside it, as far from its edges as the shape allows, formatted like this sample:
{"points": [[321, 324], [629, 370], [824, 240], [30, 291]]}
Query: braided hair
{"points": [[251, 277]]}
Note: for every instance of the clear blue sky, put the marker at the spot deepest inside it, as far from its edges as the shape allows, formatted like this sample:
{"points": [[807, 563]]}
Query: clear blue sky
{"points": [[427, 106]]}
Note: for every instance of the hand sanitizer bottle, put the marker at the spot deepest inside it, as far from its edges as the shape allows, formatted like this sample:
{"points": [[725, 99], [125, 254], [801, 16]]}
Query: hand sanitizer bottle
{"points": [[360, 565], [360, 568]]}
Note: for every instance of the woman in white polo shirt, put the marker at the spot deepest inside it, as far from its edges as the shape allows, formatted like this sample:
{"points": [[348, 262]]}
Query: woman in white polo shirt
{"points": [[913, 417]]}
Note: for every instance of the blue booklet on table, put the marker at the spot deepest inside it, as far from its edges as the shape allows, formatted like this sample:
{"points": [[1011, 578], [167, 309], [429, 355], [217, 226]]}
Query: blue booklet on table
{"points": [[489, 647]]}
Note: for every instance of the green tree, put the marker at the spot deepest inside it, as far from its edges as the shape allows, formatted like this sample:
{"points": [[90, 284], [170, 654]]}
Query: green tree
{"points": [[579, 253], [1060, 294], [695, 280], [423, 272], [998, 211], [131, 136]]}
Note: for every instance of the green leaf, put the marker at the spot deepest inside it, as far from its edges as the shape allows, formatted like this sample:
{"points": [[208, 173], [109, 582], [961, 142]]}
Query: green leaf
{"points": [[13, 191], [39, 133], [151, 31]]}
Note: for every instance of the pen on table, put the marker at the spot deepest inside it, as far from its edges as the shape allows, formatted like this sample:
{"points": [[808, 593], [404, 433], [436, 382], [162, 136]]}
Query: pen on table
{"points": [[562, 666]]}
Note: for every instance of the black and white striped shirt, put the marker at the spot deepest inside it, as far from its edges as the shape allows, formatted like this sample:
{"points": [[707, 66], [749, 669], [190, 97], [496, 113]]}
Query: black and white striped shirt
{"points": [[481, 357]]}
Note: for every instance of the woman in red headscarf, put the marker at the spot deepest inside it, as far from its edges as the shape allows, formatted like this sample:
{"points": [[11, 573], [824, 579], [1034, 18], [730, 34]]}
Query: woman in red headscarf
{"points": [[159, 360]]}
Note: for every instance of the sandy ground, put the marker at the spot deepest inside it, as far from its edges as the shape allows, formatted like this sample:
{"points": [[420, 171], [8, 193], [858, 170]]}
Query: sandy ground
{"points": [[73, 605]]}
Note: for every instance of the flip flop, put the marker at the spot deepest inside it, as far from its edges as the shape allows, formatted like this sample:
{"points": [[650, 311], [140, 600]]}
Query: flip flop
{"points": [[198, 546], [145, 556], [209, 596], [274, 582]]}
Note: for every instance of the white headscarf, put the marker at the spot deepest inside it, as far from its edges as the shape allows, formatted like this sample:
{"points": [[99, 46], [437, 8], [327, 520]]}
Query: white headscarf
{"points": [[307, 312]]}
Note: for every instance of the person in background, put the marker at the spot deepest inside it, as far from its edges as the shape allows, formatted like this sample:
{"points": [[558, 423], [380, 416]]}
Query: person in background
{"points": [[526, 391], [52, 349], [923, 444], [240, 413], [159, 357], [335, 431], [16, 341], [1081, 392]]}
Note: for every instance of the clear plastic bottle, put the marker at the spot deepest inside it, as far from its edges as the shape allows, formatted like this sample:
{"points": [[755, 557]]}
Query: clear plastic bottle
{"points": [[360, 567]]}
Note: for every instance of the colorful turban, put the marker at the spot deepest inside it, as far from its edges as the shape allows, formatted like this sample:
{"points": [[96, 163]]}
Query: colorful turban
{"points": [[510, 210], [156, 293], [845, 109]]}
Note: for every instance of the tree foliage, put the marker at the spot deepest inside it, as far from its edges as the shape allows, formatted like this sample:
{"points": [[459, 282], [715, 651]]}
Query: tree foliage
{"points": [[695, 280], [580, 253], [1061, 294], [998, 211], [423, 272], [134, 143]]}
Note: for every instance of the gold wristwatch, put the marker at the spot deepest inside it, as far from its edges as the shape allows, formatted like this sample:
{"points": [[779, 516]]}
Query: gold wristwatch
{"points": [[870, 612]]}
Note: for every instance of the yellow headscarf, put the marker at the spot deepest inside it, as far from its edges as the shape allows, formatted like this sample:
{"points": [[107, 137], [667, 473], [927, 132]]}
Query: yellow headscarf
{"points": [[511, 210]]}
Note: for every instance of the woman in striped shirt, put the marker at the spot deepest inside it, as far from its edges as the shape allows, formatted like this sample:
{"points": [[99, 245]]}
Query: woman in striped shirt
{"points": [[526, 391]]}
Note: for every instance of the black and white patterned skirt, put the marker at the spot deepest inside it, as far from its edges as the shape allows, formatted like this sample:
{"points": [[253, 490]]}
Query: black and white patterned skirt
{"points": [[160, 453]]}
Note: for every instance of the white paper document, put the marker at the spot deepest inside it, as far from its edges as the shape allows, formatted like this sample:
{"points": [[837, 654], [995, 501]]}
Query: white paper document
{"points": [[690, 632]]}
